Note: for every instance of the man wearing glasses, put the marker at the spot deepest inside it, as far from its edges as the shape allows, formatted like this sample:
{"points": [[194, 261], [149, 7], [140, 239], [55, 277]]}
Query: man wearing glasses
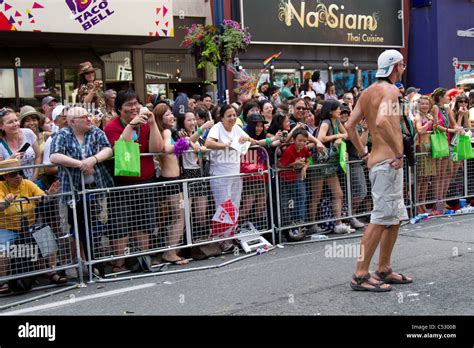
{"points": [[380, 106], [82, 148]]}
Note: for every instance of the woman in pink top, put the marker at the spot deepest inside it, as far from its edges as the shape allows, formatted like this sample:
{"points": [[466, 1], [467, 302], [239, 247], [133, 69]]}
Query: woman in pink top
{"points": [[425, 119]]}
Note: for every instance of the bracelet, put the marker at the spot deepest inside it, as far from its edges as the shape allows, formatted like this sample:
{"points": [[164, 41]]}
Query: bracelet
{"points": [[364, 155], [199, 130], [133, 125], [268, 142], [398, 158], [96, 159]]}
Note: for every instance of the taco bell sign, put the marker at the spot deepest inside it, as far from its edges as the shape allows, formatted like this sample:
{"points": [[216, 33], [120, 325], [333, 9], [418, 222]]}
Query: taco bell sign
{"points": [[89, 13]]}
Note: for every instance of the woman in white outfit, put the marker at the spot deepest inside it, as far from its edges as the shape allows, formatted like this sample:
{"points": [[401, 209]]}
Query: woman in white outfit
{"points": [[224, 160]]}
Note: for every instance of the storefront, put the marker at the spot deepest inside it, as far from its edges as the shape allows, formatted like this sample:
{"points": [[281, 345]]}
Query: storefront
{"points": [[341, 38], [42, 45], [442, 38]]}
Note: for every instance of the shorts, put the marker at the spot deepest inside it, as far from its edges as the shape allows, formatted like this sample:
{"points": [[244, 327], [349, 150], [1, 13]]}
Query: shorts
{"points": [[427, 166], [169, 189], [7, 238], [132, 210], [387, 195], [358, 181], [196, 188]]}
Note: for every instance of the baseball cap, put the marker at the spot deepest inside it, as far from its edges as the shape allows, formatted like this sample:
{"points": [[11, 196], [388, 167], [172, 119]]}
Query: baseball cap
{"points": [[47, 100], [57, 111], [387, 61], [412, 90]]}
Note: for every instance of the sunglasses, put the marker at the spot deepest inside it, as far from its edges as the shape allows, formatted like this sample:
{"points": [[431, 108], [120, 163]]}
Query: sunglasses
{"points": [[4, 111], [13, 175], [463, 101], [302, 109]]}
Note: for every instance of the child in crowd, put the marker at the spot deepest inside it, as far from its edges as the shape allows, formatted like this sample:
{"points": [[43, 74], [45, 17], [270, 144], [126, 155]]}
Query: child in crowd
{"points": [[293, 186]]}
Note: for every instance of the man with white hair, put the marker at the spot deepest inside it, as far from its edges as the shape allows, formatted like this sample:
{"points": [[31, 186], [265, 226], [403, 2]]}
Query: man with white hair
{"points": [[379, 104], [82, 148]]}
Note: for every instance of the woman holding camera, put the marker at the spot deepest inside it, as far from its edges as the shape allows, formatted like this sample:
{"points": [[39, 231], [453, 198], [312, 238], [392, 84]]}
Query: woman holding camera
{"points": [[90, 90]]}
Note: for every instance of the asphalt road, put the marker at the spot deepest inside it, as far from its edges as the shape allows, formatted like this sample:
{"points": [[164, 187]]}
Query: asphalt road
{"points": [[295, 280]]}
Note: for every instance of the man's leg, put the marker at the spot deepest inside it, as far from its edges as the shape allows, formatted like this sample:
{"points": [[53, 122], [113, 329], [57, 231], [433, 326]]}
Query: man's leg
{"points": [[387, 243], [369, 243]]}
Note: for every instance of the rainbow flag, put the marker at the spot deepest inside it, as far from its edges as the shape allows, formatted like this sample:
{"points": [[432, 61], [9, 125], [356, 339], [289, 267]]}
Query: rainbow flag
{"points": [[267, 62]]}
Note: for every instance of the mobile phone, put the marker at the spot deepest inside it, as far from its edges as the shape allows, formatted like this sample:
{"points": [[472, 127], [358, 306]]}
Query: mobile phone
{"points": [[24, 147]]}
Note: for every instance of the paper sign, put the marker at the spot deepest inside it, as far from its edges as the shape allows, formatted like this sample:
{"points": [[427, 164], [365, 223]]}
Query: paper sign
{"points": [[242, 148]]}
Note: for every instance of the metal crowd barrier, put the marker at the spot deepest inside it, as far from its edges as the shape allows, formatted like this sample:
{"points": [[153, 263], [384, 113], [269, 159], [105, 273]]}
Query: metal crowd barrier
{"points": [[441, 180], [331, 195], [129, 221], [40, 240]]}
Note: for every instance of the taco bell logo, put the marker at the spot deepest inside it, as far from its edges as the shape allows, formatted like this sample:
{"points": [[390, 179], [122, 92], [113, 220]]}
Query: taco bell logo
{"points": [[89, 13]]}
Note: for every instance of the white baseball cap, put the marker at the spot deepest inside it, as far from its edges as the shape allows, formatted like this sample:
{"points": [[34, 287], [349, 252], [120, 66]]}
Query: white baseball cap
{"points": [[57, 111], [387, 61]]}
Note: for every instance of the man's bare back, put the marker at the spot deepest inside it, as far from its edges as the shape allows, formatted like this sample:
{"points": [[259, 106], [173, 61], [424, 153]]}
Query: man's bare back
{"points": [[379, 104]]}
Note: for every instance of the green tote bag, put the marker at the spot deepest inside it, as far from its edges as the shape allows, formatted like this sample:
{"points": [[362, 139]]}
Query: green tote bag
{"points": [[439, 145], [464, 148], [127, 158], [343, 155]]}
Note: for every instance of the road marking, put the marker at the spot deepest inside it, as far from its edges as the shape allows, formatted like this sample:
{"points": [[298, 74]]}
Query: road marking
{"points": [[75, 300]]}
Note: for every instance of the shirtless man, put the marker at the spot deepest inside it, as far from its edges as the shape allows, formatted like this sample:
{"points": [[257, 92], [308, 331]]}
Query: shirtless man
{"points": [[379, 105]]}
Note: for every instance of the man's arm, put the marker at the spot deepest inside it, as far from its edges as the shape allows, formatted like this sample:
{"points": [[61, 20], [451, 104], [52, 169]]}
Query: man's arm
{"points": [[351, 127]]}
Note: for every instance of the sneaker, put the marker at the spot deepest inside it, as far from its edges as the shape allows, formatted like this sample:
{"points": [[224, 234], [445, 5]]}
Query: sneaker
{"points": [[315, 229], [343, 229], [356, 223], [295, 234]]}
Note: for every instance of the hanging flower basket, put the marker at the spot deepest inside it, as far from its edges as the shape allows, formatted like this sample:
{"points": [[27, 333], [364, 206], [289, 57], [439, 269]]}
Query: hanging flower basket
{"points": [[210, 47], [234, 40], [204, 43]]}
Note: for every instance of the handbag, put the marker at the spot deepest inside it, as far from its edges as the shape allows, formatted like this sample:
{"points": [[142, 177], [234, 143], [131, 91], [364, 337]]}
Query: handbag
{"points": [[464, 149], [45, 239], [127, 158], [439, 145]]}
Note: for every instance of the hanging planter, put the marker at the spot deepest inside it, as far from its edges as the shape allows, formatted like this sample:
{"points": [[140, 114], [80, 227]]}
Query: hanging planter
{"points": [[204, 44], [210, 47], [234, 40]]}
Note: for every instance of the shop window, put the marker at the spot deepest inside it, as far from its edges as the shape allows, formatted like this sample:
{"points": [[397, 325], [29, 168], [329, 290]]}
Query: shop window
{"points": [[160, 66], [118, 66], [35, 84], [368, 77], [7, 88], [344, 81]]}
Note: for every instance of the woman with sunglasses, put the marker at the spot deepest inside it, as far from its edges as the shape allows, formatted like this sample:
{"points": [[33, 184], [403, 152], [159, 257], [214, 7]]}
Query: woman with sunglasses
{"points": [[16, 207], [91, 90], [19, 143]]}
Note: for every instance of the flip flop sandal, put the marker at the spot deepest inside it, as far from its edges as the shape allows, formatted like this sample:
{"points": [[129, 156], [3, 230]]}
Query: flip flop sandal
{"points": [[383, 275], [365, 279], [55, 278]]}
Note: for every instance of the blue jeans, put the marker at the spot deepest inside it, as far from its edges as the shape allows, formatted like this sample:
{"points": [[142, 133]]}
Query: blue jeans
{"points": [[293, 201]]}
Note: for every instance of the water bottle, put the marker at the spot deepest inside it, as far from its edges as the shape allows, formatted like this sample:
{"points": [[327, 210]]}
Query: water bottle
{"points": [[319, 237]]}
